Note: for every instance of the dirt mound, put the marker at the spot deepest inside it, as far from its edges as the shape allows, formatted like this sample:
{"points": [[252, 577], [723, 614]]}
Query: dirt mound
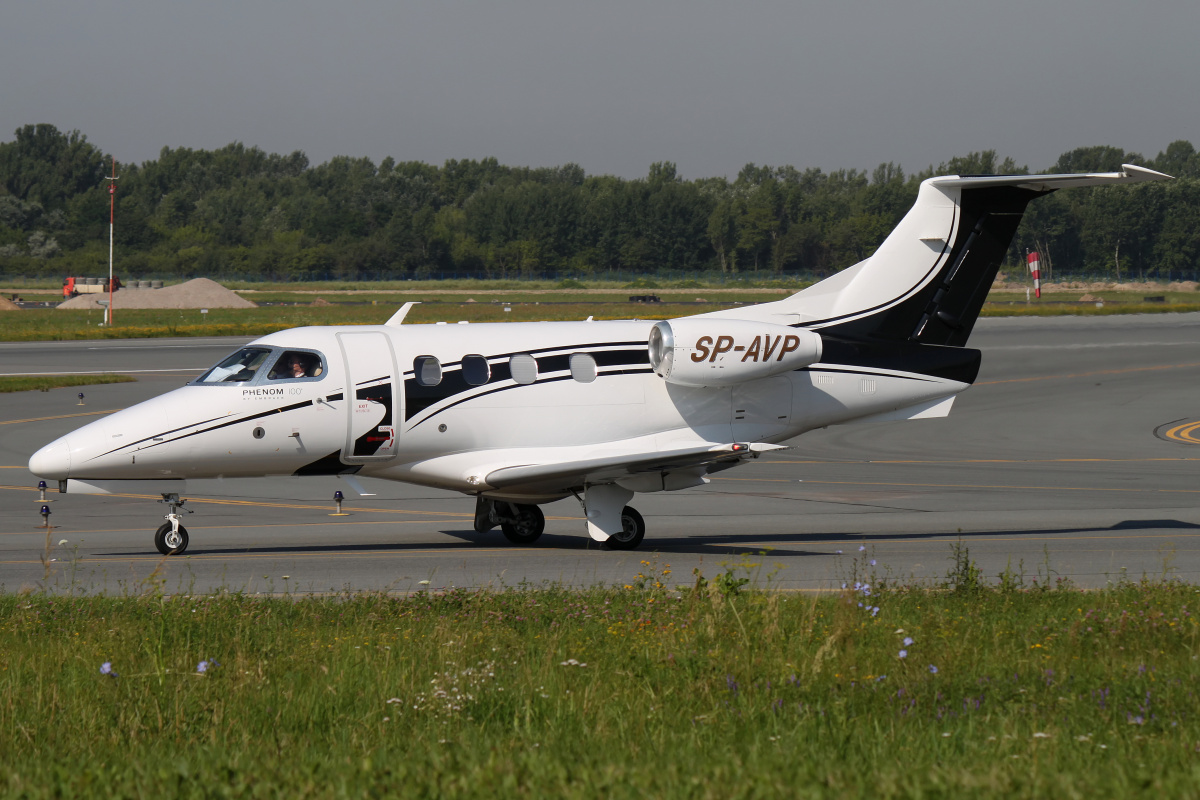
{"points": [[196, 293], [8, 305], [320, 301]]}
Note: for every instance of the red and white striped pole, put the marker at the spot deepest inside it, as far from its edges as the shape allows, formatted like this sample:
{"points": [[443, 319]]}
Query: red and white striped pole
{"points": [[1035, 270], [112, 194]]}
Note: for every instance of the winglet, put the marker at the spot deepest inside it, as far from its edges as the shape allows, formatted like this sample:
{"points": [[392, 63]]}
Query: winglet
{"points": [[399, 316], [1137, 173]]}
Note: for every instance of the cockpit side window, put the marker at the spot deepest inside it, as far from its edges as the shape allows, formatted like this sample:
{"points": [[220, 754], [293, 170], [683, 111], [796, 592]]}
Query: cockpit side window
{"points": [[240, 367], [295, 365]]}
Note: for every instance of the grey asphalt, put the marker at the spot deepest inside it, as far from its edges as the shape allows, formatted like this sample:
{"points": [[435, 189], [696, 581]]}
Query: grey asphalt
{"points": [[1057, 464]]}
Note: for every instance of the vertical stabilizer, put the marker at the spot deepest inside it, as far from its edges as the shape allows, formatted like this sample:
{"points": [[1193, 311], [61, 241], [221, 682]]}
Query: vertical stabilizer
{"points": [[928, 280]]}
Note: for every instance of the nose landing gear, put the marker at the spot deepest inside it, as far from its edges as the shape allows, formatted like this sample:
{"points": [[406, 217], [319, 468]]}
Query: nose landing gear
{"points": [[171, 538]]}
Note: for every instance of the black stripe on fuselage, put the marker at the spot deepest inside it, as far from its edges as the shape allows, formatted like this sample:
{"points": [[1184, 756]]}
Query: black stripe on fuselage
{"points": [[937, 361], [156, 436], [539, 381], [259, 415], [418, 398]]}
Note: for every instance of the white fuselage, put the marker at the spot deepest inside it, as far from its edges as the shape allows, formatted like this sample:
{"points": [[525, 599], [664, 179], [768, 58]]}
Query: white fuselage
{"points": [[368, 413]]}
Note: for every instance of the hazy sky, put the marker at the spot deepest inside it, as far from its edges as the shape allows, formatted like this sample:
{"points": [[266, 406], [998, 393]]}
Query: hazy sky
{"points": [[612, 85]]}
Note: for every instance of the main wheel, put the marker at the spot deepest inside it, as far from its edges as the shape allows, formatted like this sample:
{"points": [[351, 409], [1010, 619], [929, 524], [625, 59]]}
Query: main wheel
{"points": [[633, 530], [170, 542], [527, 526]]}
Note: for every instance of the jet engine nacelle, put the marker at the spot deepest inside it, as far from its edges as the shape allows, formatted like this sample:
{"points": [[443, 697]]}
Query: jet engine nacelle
{"points": [[700, 351]]}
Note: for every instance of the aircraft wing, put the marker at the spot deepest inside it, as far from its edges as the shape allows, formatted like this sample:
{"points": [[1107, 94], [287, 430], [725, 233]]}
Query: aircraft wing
{"points": [[563, 475]]}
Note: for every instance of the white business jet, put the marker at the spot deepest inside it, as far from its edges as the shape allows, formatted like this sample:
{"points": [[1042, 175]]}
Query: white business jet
{"points": [[521, 414]]}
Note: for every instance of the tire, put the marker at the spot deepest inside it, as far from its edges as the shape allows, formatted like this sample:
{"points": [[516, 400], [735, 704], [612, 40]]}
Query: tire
{"points": [[173, 548], [527, 527], [633, 530]]}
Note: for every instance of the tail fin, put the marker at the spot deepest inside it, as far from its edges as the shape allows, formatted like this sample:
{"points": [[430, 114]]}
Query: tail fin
{"points": [[928, 280]]}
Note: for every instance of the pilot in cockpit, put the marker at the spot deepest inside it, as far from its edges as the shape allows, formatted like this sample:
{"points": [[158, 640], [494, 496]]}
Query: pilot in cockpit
{"points": [[296, 365]]}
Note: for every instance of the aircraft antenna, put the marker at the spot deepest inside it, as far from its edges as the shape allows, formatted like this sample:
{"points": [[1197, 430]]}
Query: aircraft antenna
{"points": [[112, 194]]}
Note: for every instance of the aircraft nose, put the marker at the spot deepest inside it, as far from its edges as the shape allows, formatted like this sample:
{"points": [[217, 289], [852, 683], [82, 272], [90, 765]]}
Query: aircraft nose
{"points": [[53, 461]]}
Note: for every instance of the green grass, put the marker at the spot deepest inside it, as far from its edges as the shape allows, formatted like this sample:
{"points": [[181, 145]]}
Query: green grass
{"points": [[635, 691], [44, 383], [52, 324], [490, 299]]}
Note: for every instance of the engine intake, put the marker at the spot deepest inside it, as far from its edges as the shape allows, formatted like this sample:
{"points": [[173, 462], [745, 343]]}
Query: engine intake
{"points": [[706, 351]]}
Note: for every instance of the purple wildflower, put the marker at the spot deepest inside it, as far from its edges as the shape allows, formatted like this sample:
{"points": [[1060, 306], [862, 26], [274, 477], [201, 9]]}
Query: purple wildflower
{"points": [[908, 640], [904, 654], [872, 562], [862, 547], [933, 669], [106, 669]]}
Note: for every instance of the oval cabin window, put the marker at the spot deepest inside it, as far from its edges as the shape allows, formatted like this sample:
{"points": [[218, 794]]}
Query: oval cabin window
{"points": [[583, 367], [428, 370], [523, 368], [476, 371]]}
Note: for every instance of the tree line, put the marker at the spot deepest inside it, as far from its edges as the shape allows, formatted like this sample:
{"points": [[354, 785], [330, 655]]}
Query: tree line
{"points": [[240, 213]]}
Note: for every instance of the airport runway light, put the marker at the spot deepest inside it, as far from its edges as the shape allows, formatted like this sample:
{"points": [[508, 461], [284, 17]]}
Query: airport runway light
{"points": [[80, 399], [337, 498], [45, 516], [42, 489]]}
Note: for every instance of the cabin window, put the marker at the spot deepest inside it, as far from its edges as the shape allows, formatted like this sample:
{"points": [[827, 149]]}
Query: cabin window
{"points": [[523, 368], [294, 365], [476, 371], [240, 367], [583, 367], [428, 370]]}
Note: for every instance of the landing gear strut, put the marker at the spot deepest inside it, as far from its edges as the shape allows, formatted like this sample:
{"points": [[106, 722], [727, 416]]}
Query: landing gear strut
{"points": [[171, 538], [521, 523]]}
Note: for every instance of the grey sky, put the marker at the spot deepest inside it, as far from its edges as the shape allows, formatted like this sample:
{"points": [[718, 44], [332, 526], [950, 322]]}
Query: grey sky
{"points": [[612, 85]]}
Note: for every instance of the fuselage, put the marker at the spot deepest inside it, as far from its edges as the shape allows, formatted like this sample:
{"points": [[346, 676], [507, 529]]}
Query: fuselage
{"points": [[439, 405]]}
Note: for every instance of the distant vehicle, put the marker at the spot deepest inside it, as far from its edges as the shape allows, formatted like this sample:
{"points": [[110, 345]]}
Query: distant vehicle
{"points": [[521, 414], [72, 287]]}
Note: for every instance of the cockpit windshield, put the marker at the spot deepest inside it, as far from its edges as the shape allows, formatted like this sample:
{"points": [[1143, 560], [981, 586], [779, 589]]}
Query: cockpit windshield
{"points": [[240, 367]]}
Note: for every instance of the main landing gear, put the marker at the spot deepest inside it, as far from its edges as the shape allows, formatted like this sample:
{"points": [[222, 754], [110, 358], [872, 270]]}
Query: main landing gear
{"points": [[171, 538], [523, 523]]}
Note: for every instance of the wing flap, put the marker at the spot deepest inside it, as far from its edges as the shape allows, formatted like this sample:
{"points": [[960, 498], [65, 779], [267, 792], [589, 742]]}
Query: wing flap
{"points": [[569, 474]]}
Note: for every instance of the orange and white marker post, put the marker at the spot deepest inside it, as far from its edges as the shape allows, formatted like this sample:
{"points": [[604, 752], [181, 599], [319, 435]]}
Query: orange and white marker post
{"points": [[1035, 269]]}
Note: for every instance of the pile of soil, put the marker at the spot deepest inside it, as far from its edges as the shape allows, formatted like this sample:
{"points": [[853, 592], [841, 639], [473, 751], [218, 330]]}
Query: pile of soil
{"points": [[8, 305], [196, 293]]}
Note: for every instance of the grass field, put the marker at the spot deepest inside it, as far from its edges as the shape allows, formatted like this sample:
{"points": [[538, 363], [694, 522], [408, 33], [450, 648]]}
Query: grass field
{"points": [[648, 689], [44, 383], [291, 310]]}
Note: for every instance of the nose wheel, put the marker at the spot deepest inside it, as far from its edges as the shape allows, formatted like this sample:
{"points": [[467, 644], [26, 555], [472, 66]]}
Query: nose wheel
{"points": [[171, 541], [171, 538]]}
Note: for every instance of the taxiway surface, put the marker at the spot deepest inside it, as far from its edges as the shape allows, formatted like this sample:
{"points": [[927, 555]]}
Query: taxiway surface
{"points": [[1074, 456]]}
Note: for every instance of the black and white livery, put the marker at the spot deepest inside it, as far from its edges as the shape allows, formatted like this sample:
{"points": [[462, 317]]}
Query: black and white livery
{"points": [[521, 414]]}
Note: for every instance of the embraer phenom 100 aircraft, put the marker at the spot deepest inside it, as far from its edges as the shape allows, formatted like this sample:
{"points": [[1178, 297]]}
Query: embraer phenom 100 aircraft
{"points": [[520, 414]]}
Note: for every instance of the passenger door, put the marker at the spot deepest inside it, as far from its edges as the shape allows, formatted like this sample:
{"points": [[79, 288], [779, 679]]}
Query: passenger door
{"points": [[372, 399]]}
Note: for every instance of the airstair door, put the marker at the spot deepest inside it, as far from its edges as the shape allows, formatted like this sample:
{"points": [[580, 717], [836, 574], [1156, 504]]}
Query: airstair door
{"points": [[372, 397]]}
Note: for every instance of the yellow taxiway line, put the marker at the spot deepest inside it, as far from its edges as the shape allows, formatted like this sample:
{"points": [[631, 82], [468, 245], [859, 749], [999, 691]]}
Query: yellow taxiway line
{"points": [[61, 416], [1184, 433]]}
